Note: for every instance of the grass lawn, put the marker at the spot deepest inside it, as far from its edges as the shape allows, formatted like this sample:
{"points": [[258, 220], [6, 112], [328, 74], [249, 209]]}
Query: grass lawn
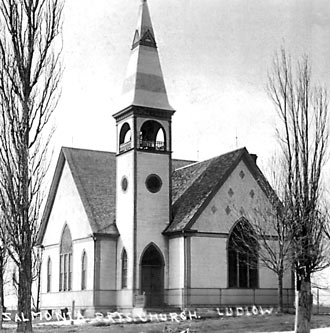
{"points": [[224, 325]]}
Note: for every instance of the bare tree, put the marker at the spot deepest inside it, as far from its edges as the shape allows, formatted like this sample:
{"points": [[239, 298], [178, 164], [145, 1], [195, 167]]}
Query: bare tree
{"points": [[30, 72], [303, 135]]}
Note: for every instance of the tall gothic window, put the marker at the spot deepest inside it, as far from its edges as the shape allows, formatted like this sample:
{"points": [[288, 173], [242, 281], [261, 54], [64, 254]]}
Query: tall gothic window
{"points": [[83, 270], [124, 269], [49, 274], [66, 260], [242, 257]]}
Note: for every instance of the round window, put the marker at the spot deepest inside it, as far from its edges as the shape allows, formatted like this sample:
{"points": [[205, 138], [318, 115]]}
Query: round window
{"points": [[153, 183], [124, 183]]}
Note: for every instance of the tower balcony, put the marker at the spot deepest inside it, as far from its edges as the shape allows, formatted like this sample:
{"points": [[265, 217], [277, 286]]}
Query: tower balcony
{"points": [[152, 145], [125, 146]]}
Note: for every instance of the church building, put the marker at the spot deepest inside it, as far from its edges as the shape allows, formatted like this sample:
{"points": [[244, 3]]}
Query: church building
{"points": [[135, 224]]}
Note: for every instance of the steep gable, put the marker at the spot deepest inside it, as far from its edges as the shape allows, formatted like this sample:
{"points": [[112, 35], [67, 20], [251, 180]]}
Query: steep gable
{"points": [[195, 185], [94, 173]]}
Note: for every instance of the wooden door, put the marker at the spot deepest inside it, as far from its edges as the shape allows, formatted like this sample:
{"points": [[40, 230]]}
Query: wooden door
{"points": [[152, 277]]}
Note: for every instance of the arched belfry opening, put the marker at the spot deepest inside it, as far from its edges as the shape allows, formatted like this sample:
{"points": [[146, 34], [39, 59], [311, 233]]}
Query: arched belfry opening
{"points": [[125, 138], [152, 136], [242, 256], [152, 276]]}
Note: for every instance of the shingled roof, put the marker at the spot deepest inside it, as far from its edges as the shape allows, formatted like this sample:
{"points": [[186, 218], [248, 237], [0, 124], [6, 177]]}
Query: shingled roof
{"points": [[195, 185], [94, 174]]}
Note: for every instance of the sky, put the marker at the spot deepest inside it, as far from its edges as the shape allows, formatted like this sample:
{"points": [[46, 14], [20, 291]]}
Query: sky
{"points": [[215, 55]]}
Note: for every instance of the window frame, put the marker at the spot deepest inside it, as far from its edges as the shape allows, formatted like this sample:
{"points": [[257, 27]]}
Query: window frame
{"points": [[243, 266], [84, 270], [66, 250], [124, 263], [49, 274]]}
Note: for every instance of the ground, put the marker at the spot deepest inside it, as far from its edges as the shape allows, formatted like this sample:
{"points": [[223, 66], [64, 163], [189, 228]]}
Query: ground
{"points": [[266, 323]]}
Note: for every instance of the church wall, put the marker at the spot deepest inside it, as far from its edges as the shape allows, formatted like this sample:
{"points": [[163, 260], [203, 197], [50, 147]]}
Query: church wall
{"points": [[108, 264], [125, 211], [226, 208], [74, 214], [233, 201], [56, 299], [208, 259], [152, 208], [321, 290], [176, 271], [105, 287], [75, 217], [10, 288], [124, 295]]}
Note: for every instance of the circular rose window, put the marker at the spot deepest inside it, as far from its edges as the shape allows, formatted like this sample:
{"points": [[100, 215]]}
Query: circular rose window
{"points": [[124, 183], [153, 183]]}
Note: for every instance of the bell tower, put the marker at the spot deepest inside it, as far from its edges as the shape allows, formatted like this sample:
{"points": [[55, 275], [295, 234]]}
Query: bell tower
{"points": [[143, 199]]}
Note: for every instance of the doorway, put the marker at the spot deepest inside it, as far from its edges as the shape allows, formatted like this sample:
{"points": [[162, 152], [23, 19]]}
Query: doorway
{"points": [[152, 277]]}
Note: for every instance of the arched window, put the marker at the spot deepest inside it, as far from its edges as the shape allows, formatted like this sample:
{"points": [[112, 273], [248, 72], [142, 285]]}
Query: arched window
{"points": [[125, 138], [49, 274], [124, 269], [152, 136], [83, 270], [242, 257], [66, 260]]}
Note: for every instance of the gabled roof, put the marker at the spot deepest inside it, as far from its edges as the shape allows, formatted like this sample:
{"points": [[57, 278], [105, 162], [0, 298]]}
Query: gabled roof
{"points": [[195, 185], [94, 174]]}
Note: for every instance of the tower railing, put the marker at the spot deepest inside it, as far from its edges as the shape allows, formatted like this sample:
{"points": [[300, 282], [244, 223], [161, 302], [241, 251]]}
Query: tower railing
{"points": [[152, 145], [125, 146]]}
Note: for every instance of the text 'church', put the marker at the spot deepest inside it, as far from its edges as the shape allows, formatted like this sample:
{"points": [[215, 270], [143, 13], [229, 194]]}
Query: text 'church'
{"points": [[118, 227]]}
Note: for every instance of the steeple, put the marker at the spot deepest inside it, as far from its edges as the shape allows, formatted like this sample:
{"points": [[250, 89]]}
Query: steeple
{"points": [[144, 83], [144, 33]]}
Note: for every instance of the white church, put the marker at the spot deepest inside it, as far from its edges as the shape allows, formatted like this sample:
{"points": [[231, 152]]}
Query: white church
{"points": [[135, 224]]}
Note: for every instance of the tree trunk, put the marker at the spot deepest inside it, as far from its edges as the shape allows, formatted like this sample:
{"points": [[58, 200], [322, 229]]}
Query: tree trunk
{"points": [[1, 287], [280, 292], [304, 304], [24, 323]]}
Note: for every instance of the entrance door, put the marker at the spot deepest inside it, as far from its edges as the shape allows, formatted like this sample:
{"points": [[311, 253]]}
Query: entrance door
{"points": [[152, 277]]}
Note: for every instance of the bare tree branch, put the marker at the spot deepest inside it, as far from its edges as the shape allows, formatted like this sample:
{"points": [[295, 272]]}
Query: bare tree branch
{"points": [[303, 111], [30, 73]]}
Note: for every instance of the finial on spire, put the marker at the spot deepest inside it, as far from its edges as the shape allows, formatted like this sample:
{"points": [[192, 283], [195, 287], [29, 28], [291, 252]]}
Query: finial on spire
{"points": [[144, 33]]}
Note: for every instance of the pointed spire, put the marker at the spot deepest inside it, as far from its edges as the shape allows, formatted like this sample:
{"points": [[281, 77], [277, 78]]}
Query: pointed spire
{"points": [[144, 83], [144, 33]]}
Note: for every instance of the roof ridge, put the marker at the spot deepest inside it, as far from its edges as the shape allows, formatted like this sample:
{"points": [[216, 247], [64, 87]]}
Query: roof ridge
{"points": [[209, 159], [91, 150]]}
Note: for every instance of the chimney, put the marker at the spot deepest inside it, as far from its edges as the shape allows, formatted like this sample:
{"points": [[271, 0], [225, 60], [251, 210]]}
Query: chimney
{"points": [[254, 157]]}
